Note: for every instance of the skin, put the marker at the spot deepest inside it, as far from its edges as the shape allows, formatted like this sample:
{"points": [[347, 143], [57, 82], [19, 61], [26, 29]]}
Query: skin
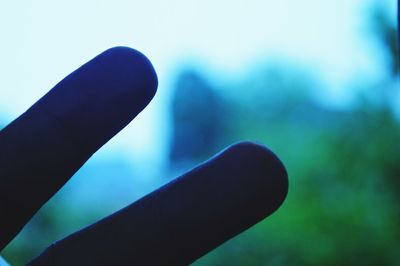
{"points": [[174, 225]]}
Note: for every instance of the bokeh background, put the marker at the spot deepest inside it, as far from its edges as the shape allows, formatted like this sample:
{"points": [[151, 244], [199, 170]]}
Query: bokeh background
{"points": [[316, 81]]}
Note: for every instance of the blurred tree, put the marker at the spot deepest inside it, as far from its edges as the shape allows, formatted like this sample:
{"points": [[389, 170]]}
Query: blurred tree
{"points": [[386, 32], [198, 120]]}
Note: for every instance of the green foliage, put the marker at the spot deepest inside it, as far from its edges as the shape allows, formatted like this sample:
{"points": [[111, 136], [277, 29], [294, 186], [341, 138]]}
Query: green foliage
{"points": [[342, 207]]}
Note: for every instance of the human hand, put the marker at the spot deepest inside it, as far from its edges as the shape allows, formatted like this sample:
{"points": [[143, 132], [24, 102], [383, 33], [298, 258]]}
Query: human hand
{"points": [[173, 225]]}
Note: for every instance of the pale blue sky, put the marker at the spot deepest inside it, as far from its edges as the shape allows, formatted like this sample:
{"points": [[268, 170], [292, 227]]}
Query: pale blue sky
{"points": [[44, 40]]}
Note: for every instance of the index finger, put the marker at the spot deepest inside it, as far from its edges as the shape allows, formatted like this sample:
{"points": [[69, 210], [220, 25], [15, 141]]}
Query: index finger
{"points": [[46, 145]]}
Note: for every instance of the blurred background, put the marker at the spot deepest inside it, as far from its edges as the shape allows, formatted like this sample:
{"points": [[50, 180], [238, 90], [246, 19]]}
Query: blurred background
{"points": [[316, 81]]}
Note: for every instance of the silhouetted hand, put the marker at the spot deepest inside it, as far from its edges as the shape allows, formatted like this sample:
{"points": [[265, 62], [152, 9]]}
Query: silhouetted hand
{"points": [[173, 225]]}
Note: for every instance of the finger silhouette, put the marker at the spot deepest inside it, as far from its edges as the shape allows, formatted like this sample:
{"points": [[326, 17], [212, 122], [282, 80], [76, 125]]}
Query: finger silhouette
{"points": [[45, 146], [185, 219]]}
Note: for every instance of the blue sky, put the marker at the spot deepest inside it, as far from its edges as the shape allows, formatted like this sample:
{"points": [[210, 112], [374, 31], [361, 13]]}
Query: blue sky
{"points": [[43, 40]]}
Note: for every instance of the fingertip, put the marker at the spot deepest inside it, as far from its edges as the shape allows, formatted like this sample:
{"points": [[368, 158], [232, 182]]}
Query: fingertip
{"points": [[263, 169], [128, 59], [101, 97]]}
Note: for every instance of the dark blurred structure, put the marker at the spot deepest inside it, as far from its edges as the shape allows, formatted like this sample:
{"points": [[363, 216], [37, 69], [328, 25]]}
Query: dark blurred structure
{"points": [[198, 120], [387, 35]]}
